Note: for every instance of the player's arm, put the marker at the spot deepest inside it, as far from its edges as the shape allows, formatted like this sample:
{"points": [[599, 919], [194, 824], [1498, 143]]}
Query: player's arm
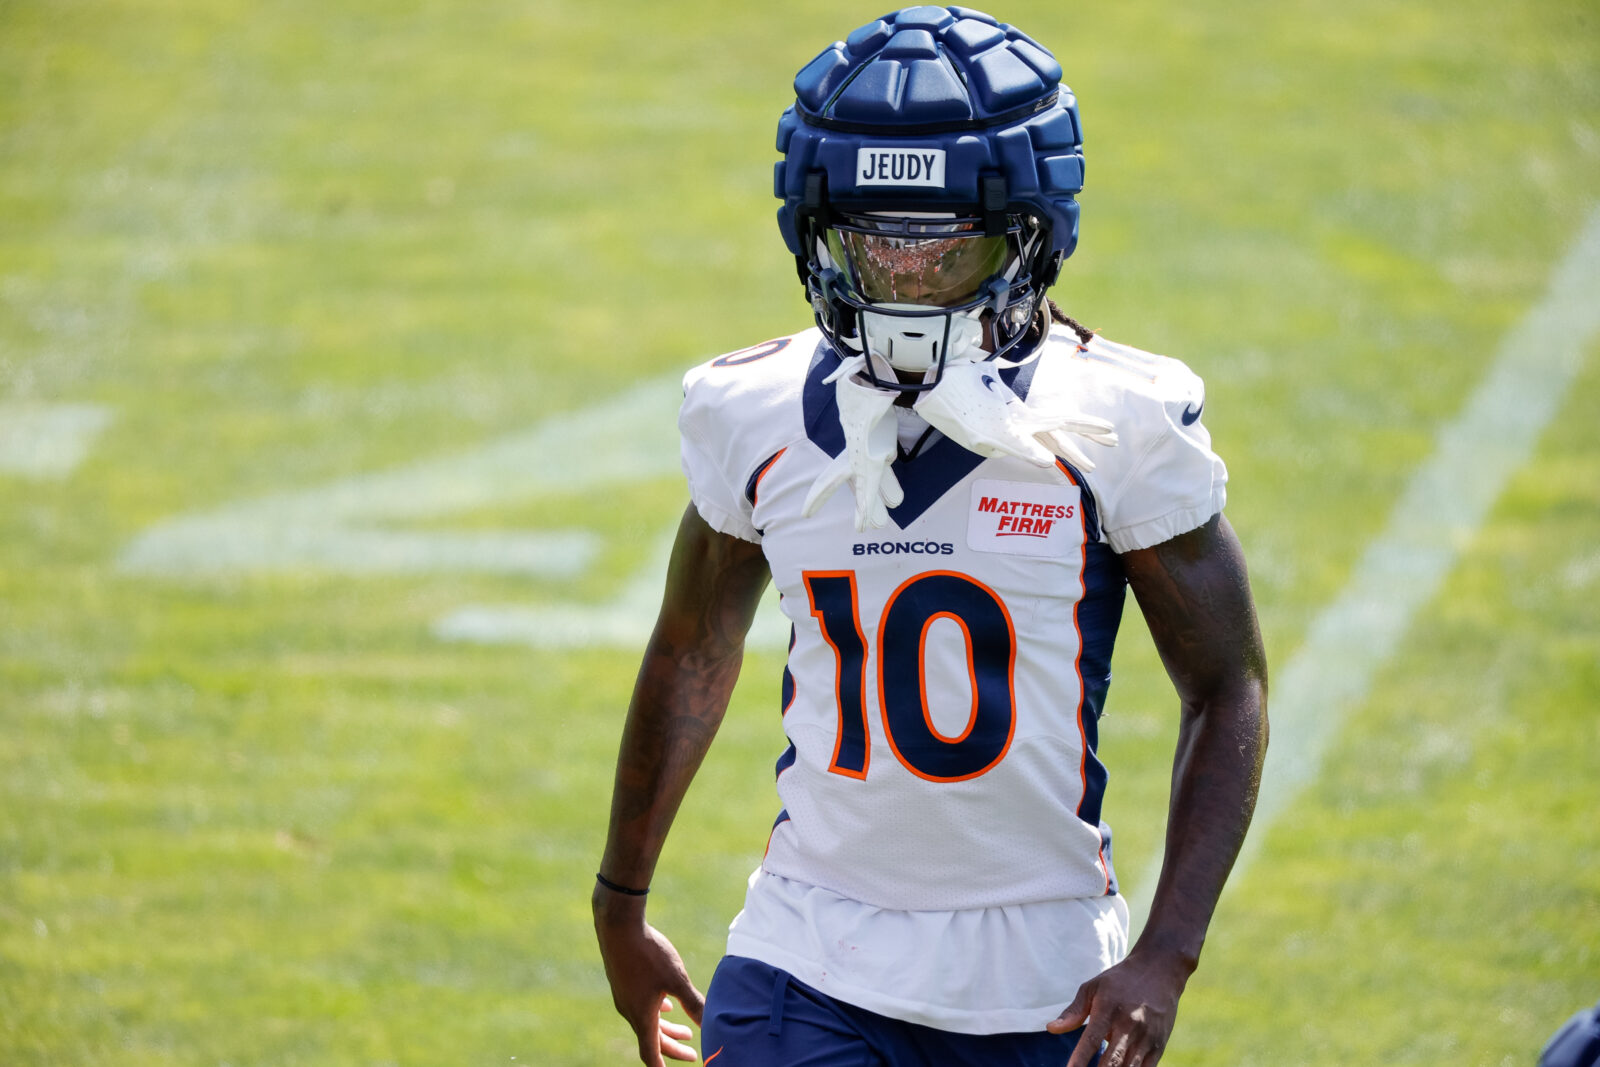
{"points": [[714, 583], [1195, 596]]}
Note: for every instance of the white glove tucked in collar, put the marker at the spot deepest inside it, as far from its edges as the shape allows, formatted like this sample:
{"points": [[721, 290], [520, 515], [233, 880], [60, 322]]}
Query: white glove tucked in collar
{"points": [[979, 412], [970, 405], [869, 440]]}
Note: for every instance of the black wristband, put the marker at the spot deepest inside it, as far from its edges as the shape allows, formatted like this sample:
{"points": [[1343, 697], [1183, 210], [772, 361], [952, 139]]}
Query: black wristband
{"points": [[615, 888]]}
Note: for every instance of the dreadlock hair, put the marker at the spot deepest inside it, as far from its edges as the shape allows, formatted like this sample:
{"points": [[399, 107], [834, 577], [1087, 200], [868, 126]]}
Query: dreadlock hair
{"points": [[1083, 332]]}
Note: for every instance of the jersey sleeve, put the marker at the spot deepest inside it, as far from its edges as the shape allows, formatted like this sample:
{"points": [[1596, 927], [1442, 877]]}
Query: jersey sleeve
{"points": [[1171, 481], [739, 410], [708, 457]]}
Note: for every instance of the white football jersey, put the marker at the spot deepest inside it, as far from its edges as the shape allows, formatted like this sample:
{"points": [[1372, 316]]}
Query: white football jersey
{"points": [[939, 855]]}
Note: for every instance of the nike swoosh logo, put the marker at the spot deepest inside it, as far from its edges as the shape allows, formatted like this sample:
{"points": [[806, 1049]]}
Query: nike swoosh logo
{"points": [[988, 383], [1189, 416]]}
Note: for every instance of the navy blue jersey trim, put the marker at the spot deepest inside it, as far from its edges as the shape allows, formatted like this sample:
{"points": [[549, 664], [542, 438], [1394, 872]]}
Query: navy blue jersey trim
{"points": [[754, 483], [1105, 587], [1091, 510], [1099, 616], [927, 475], [1105, 853], [786, 692], [818, 405]]}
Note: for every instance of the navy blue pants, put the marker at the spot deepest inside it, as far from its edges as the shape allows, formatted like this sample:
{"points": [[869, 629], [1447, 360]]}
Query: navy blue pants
{"points": [[759, 1016]]}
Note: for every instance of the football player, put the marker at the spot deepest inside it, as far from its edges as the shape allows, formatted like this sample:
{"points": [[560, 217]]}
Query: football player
{"points": [[952, 484]]}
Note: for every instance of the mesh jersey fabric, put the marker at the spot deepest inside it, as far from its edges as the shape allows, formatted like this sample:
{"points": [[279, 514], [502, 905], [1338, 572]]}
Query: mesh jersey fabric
{"points": [[946, 675]]}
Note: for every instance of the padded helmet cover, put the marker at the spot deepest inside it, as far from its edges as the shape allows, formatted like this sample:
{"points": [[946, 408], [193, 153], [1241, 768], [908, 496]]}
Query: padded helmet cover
{"points": [[941, 79]]}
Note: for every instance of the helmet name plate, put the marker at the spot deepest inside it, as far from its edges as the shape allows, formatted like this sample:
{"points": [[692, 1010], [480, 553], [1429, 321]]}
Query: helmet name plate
{"points": [[901, 167]]}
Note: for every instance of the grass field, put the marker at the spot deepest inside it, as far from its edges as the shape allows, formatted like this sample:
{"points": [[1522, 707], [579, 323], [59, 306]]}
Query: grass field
{"points": [[303, 282]]}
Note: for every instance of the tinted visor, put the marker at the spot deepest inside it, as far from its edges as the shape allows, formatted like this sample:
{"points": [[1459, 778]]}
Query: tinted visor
{"points": [[930, 263]]}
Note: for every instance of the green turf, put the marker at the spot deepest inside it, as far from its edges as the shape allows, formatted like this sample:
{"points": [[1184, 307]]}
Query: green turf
{"points": [[271, 819]]}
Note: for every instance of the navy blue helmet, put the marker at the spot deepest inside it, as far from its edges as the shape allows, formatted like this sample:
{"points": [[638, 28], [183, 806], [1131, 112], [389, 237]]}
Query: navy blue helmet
{"points": [[931, 162]]}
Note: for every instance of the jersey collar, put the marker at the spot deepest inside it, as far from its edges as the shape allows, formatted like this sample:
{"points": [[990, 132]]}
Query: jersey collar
{"points": [[929, 474]]}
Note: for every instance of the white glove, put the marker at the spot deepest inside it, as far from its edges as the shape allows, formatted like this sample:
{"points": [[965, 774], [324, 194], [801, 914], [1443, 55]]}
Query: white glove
{"points": [[979, 412], [869, 440]]}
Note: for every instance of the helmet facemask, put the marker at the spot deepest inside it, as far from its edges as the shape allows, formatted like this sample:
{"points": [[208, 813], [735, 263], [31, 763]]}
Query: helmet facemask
{"points": [[916, 291]]}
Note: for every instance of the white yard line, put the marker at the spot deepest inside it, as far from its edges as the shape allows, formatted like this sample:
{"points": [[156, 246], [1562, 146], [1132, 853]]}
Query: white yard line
{"points": [[1436, 517], [344, 527], [47, 441], [624, 621]]}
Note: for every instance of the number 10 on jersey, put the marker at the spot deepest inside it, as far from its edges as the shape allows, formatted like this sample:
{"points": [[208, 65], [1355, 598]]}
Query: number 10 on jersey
{"points": [[902, 673]]}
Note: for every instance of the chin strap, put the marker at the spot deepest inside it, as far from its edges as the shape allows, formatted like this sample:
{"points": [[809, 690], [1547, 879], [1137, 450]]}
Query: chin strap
{"points": [[970, 405]]}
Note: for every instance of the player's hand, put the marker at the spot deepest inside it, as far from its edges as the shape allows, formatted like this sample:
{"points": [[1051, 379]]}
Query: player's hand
{"points": [[644, 970], [1131, 1007]]}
